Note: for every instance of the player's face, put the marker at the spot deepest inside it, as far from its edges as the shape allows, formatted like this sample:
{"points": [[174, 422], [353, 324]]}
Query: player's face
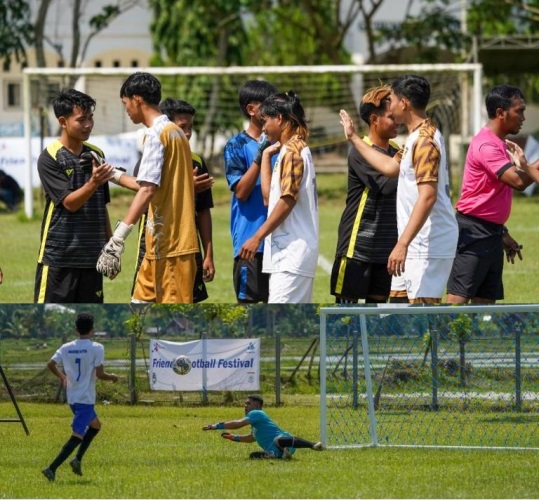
{"points": [[253, 109], [250, 405], [132, 109], [386, 125], [272, 127], [513, 118], [185, 122], [396, 106], [79, 125]]}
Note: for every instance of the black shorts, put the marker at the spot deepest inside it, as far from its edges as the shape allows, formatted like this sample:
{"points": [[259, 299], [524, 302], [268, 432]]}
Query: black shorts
{"points": [[478, 265], [199, 290], [68, 285], [354, 279], [250, 283]]}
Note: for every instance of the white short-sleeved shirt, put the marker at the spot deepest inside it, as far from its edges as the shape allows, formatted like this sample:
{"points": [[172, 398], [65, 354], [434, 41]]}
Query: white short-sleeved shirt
{"points": [[293, 246], [80, 358]]}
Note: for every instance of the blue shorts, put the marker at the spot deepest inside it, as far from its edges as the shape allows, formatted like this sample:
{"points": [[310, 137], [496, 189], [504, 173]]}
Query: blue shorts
{"points": [[83, 415]]}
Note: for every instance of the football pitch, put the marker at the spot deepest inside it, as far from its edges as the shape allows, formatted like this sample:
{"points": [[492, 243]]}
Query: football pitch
{"points": [[161, 452], [20, 243]]}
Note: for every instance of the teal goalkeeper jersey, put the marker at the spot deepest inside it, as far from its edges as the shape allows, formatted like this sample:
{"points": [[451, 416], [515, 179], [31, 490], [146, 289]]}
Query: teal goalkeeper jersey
{"points": [[265, 430]]}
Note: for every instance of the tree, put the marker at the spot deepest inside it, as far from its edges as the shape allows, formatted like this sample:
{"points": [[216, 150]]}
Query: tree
{"points": [[16, 31], [79, 48]]}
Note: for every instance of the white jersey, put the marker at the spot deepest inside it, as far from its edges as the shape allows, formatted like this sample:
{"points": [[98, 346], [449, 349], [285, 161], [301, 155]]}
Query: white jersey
{"points": [[424, 159], [80, 358], [293, 246]]}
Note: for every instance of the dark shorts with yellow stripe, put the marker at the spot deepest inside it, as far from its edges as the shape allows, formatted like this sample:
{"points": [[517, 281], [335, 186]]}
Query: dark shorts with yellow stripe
{"points": [[68, 285], [354, 279]]}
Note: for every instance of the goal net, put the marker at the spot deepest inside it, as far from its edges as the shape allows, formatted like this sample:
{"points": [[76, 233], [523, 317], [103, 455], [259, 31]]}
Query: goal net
{"points": [[430, 376], [454, 106]]}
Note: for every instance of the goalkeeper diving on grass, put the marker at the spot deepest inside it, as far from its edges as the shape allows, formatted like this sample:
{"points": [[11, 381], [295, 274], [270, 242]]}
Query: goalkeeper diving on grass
{"points": [[275, 442]]}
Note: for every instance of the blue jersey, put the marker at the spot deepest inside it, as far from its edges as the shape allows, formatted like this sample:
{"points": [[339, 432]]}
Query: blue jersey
{"points": [[247, 216], [265, 430]]}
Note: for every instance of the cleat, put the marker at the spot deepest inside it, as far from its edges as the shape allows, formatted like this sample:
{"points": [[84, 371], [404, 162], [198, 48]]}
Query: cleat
{"points": [[76, 466], [49, 474], [286, 454], [318, 446]]}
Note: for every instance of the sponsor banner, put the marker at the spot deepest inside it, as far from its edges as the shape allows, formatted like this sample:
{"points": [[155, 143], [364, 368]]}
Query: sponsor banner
{"points": [[207, 364], [120, 151]]}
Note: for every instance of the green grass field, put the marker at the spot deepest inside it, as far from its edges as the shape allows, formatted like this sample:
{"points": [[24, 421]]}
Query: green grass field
{"points": [[161, 452], [20, 241]]}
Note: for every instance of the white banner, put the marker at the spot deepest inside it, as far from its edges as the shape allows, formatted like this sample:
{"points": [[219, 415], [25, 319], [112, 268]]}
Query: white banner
{"points": [[120, 151], [207, 364]]}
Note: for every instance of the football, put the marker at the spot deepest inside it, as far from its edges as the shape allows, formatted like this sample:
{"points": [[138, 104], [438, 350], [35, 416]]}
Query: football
{"points": [[181, 365]]}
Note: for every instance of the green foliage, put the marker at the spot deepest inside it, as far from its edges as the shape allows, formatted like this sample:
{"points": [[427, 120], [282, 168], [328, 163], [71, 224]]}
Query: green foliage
{"points": [[461, 327], [16, 30]]}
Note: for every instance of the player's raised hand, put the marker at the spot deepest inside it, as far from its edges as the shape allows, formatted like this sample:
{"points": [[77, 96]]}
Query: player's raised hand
{"points": [[347, 123]]}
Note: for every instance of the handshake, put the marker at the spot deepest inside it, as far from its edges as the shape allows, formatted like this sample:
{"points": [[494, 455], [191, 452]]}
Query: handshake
{"points": [[86, 164]]}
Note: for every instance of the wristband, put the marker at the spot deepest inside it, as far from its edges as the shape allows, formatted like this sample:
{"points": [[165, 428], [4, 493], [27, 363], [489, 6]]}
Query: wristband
{"points": [[122, 230], [236, 438], [220, 425], [117, 173]]}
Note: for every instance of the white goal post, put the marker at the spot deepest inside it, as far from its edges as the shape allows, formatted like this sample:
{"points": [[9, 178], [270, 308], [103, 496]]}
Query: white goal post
{"points": [[456, 107], [429, 376]]}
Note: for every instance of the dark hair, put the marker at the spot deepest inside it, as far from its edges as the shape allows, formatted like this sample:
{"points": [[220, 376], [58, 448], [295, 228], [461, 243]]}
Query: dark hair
{"points": [[68, 99], [257, 398], [254, 91], [288, 105], [84, 323], [501, 97], [174, 107], [375, 101], [415, 88], [144, 85]]}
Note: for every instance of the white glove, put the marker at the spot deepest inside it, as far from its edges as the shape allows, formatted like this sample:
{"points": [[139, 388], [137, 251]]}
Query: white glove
{"points": [[109, 262]]}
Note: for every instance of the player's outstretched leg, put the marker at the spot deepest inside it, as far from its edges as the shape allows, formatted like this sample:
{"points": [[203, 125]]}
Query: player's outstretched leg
{"points": [[284, 442], [76, 465], [66, 450]]}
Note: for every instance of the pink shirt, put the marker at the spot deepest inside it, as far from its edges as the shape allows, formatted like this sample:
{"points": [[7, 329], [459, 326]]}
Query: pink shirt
{"points": [[483, 194]]}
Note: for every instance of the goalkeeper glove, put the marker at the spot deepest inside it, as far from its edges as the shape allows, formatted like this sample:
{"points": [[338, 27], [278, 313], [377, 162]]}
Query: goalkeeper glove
{"points": [[263, 143], [109, 262]]}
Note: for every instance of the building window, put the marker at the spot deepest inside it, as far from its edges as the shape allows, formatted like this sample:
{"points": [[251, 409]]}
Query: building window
{"points": [[116, 64], [13, 95], [98, 64], [134, 63]]}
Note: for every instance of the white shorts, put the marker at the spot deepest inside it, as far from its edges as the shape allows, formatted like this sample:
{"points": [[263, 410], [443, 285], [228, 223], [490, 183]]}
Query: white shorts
{"points": [[288, 288], [423, 278]]}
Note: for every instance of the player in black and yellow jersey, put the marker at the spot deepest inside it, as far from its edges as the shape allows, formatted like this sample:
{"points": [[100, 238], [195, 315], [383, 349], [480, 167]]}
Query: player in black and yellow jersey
{"points": [[75, 221], [368, 227]]}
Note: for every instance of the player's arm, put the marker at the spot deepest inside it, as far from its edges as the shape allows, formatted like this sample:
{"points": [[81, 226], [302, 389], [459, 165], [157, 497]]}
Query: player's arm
{"points": [[76, 199], [427, 195], [128, 181], [523, 173], [231, 424], [53, 367], [381, 162], [101, 374], [265, 170], [280, 212], [204, 226], [140, 202]]}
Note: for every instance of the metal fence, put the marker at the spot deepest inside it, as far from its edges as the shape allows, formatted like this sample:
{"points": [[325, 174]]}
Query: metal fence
{"points": [[288, 365]]}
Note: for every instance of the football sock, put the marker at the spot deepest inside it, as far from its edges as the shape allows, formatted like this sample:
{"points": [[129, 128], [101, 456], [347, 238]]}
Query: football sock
{"points": [[91, 433], [67, 449], [293, 442]]}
